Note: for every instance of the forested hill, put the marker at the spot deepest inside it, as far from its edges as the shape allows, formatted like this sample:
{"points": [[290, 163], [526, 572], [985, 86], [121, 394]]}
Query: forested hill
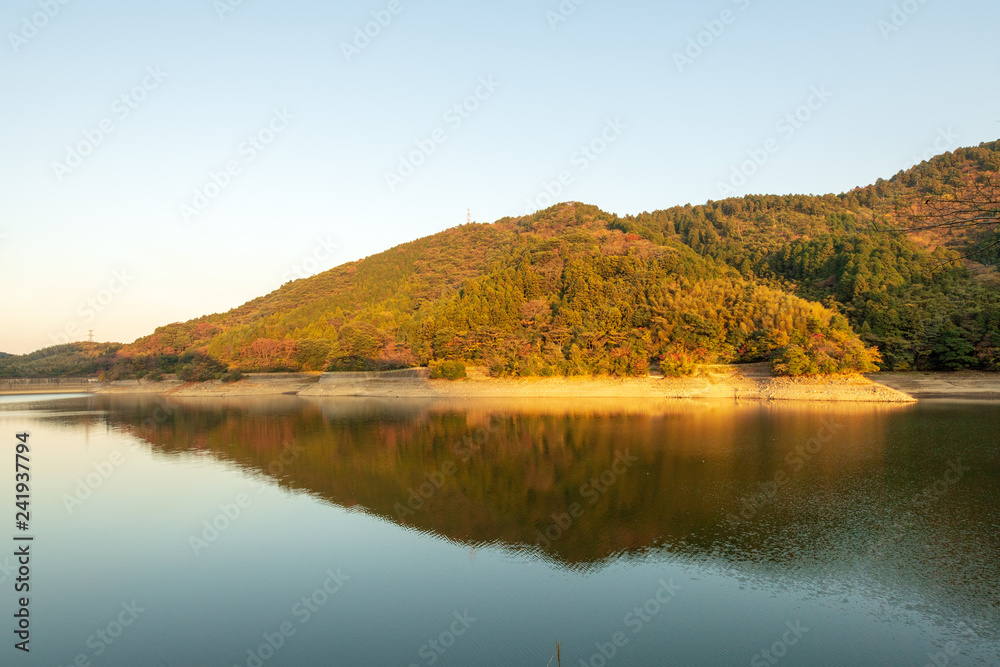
{"points": [[559, 292], [899, 291], [814, 284]]}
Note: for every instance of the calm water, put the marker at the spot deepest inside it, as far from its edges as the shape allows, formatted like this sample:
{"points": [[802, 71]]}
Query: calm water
{"points": [[287, 531]]}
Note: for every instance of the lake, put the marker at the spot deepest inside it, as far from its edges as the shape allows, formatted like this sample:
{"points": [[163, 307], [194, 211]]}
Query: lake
{"points": [[289, 531]]}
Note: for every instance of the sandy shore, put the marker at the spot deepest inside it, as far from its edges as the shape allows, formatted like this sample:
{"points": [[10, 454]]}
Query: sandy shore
{"points": [[258, 384], [749, 382], [967, 385]]}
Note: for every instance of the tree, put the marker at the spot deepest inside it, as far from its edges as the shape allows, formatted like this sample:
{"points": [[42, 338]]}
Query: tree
{"points": [[311, 354], [971, 207], [361, 339]]}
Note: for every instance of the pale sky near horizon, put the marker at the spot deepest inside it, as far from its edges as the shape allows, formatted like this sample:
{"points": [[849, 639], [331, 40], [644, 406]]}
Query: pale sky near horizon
{"points": [[117, 112]]}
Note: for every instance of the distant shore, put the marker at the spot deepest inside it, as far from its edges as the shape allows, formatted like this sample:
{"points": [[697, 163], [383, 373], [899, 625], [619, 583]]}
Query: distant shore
{"points": [[745, 382]]}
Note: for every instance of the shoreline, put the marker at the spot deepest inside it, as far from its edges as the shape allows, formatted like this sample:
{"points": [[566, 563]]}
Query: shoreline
{"points": [[750, 382], [923, 385], [746, 382]]}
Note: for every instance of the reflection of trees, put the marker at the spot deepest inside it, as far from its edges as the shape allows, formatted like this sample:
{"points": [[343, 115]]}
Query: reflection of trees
{"points": [[845, 515], [694, 472]]}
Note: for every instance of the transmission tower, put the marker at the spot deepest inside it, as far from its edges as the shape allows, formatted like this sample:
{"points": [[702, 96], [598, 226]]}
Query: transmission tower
{"points": [[468, 217], [90, 335]]}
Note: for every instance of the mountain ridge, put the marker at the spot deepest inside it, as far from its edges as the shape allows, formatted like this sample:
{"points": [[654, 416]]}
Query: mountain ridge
{"points": [[814, 284]]}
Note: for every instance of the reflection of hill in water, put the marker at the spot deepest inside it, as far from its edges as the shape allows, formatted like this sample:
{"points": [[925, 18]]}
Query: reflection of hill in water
{"points": [[846, 512]]}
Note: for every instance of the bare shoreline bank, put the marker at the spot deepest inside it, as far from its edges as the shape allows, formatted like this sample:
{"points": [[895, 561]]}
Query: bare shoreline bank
{"points": [[753, 382], [749, 382], [964, 385]]}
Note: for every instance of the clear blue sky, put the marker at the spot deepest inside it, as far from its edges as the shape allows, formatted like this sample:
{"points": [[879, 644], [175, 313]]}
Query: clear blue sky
{"points": [[607, 76]]}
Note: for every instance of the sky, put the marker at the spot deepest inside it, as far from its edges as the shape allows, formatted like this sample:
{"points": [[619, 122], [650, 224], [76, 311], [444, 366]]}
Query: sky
{"points": [[160, 161]]}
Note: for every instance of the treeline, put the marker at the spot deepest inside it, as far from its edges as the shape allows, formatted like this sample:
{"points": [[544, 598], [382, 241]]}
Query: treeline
{"points": [[111, 361], [70, 360]]}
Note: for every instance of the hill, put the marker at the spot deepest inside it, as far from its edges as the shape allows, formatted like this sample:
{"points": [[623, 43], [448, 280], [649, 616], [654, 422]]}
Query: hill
{"points": [[70, 360], [814, 284], [560, 292], [905, 293]]}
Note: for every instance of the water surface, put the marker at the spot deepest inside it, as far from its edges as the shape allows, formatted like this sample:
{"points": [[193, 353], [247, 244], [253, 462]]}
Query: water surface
{"points": [[390, 532]]}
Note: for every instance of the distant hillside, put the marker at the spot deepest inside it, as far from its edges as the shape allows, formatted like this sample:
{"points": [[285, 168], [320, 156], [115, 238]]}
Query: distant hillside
{"points": [[71, 360], [813, 284]]}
